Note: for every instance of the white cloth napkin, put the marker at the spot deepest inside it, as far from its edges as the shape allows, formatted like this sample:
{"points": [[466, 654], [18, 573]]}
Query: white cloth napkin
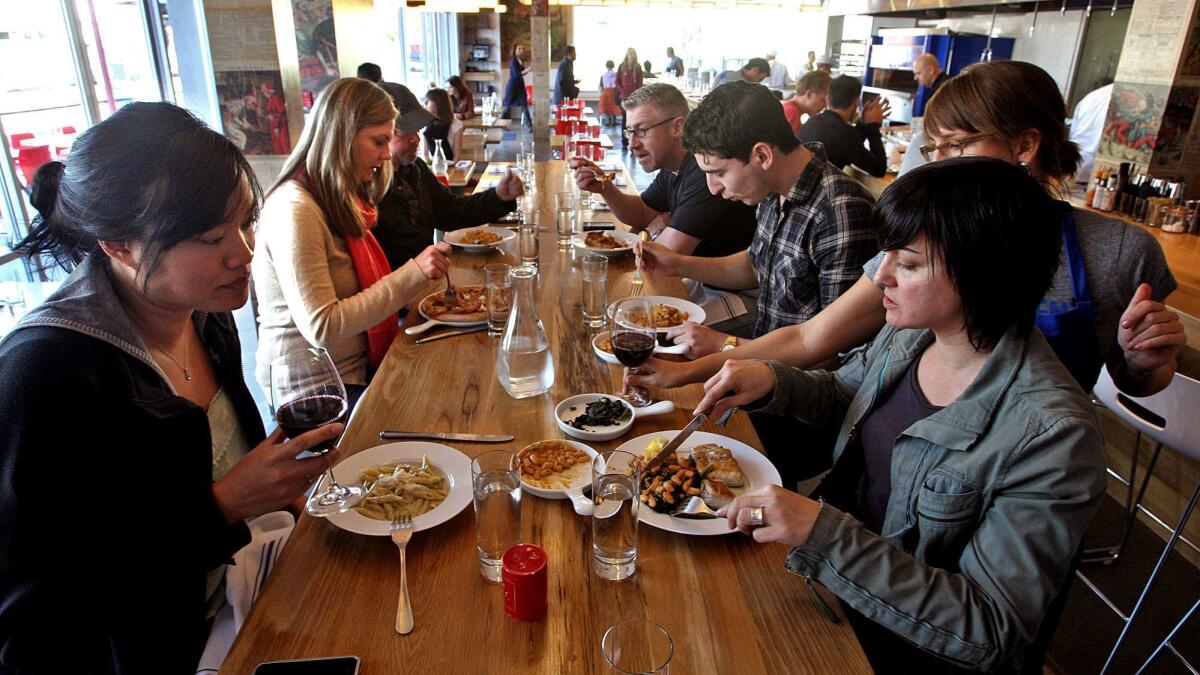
{"points": [[244, 580], [718, 305]]}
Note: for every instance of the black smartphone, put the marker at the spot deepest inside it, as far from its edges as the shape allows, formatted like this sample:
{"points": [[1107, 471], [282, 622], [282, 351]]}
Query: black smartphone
{"points": [[333, 665]]}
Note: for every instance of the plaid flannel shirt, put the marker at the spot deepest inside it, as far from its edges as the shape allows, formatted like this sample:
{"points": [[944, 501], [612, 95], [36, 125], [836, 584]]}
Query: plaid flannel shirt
{"points": [[811, 248]]}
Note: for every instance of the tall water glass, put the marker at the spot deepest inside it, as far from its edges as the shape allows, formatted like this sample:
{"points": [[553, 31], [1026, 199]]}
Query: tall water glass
{"points": [[496, 480], [498, 287], [528, 239], [615, 515], [637, 647], [595, 290]]}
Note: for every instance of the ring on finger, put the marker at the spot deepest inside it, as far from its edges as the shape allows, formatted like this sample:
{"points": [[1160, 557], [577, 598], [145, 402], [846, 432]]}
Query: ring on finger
{"points": [[756, 516]]}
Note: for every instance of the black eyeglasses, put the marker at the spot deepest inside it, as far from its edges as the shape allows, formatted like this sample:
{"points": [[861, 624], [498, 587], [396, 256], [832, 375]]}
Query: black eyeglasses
{"points": [[640, 132]]}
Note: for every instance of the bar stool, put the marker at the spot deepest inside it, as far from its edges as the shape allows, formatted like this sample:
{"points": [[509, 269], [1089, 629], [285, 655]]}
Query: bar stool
{"points": [[1166, 418]]}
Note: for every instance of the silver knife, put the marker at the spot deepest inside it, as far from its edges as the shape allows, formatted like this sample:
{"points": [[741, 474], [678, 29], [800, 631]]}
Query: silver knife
{"points": [[675, 442], [475, 438], [439, 336]]}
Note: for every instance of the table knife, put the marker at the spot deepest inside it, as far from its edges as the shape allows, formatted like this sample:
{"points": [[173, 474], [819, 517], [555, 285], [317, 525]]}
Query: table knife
{"points": [[676, 442], [391, 435], [439, 336]]}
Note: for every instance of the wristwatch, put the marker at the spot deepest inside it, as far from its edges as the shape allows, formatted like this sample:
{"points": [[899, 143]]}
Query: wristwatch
{"points": [[730, 343]]}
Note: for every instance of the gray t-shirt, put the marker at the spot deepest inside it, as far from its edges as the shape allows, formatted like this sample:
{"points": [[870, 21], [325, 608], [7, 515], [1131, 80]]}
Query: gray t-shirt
{"points": [[1117, 257]]}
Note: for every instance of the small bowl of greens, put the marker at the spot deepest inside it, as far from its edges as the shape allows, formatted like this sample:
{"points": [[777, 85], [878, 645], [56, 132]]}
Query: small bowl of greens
{"points": [[602, 417]]}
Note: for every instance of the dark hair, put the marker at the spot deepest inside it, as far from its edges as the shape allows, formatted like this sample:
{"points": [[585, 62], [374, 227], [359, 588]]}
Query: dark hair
{"points": [[609, 64], [456, 83], [567, 52], [735, 116], [759, 63], [150, 173], [1007, 98], [441, 103], [370, 71], [979, 215], [843, 91]]}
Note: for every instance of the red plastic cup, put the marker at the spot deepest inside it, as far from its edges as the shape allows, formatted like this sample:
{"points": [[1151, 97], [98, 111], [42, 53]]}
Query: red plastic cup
{"points": [[524, 577], [594, 130]]}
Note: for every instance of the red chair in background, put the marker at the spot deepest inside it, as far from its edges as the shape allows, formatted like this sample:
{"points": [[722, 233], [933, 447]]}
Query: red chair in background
{"points": [[15, 139], [30, 159], [529, 93]]}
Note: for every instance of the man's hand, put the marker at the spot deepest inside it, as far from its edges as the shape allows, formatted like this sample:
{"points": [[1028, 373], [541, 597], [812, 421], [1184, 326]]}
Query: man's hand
{"points": [[786, 516], [736, 384], [587, 174], [510, 186], [1151, 336], [697, 339], [657, 258], [875, 110]]}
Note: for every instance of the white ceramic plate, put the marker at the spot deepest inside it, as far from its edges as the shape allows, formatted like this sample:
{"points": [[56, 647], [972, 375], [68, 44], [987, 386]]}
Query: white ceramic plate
{"points": [[758, 469], [551, 493], [455, 238], [694, 311], [430, 323], [628, 237], [454, 466], [609, 357]]}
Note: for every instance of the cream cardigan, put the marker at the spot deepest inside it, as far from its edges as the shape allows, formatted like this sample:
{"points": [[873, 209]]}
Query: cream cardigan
{"points": [[308, 291]]}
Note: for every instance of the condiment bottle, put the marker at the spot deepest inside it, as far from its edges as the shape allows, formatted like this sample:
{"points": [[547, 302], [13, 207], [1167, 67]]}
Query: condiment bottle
{"points": [[524, 577]]}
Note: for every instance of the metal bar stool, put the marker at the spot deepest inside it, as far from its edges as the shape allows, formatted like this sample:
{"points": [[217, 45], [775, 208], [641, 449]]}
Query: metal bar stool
{"points": [[1163, 417]]}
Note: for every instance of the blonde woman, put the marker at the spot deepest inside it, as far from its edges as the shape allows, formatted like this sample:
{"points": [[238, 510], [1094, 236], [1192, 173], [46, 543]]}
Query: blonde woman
{"points": [[629, 80], [320, 276]]}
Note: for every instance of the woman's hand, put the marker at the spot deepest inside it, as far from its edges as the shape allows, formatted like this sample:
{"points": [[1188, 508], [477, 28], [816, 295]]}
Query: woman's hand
{"points": [[434, 260], [697, 339], [657, 258], [510, 187], [659, 373], [786, 516], [270, 477], [1151, 336], [736, 384]]}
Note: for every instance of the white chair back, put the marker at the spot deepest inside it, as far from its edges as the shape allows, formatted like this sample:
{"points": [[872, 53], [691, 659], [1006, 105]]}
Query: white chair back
{"points": [[1167, 416]]}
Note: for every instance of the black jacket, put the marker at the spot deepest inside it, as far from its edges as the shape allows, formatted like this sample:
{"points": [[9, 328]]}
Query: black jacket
{"points": [[564, 82], [844, 143], [402, 236], [108, 525]]}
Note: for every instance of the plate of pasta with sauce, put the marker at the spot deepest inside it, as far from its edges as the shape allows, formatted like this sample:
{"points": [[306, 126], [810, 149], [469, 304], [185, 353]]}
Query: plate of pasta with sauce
{"points": [[428, 481]]}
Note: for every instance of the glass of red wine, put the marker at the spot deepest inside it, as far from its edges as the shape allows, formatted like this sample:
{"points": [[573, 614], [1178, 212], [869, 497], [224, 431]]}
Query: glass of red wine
{"points": [[307, 393], [633, 337]]}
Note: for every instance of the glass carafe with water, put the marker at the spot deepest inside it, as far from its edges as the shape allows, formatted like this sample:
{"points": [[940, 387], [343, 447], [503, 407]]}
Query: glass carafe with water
{"points": [[524, 364], [440, 167]]}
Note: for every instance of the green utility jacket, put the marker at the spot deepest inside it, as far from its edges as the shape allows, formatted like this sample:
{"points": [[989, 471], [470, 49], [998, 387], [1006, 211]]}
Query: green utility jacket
{"points": [[990, 499]]}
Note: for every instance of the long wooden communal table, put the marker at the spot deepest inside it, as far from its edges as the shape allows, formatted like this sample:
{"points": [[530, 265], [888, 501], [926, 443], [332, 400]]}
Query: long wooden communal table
{"points": [[728, 603]]}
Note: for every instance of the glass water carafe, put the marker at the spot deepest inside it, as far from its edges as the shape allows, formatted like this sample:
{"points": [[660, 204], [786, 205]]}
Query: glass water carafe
{"points": [[524, 364], [440, 166]]}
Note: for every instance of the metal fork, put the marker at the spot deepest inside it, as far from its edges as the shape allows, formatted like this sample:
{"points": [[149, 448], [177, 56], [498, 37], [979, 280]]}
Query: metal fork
{"points": [[451, 295], [636, 287], [401, 530]]}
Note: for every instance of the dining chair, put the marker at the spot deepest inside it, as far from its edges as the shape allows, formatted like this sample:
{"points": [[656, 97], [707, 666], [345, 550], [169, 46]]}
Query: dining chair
{"points": [[1166, 418]]}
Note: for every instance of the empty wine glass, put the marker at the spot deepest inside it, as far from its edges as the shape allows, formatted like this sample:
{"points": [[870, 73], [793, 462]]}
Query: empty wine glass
{"points": [[633, 337], [306, 394]]}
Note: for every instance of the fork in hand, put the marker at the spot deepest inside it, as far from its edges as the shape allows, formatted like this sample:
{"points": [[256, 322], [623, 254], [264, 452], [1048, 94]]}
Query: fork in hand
{"points": [[401, 531], [451, 295], [636, 288]]}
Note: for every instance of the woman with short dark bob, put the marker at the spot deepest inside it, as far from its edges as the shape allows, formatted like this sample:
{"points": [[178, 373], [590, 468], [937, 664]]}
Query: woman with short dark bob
{"points": [[131, 452], [969, 463]]}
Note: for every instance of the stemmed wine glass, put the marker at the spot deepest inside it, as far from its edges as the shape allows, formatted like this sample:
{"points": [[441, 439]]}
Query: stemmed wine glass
{"points": [[307, 393], [633, 337]]}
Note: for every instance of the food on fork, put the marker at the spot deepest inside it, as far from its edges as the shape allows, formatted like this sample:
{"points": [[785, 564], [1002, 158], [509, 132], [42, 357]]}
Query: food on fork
{"points": [[715, 493], [717, 463], [468, 306], [604, 240], [479, 237], [553, 465], [401, 489]]}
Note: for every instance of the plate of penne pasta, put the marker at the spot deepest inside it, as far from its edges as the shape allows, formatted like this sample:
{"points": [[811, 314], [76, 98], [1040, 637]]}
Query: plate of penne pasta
{"points": [[428, 481]]}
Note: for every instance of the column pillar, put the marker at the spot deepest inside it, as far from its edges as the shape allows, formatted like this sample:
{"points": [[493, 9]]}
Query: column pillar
{"points": [[539, 47]]}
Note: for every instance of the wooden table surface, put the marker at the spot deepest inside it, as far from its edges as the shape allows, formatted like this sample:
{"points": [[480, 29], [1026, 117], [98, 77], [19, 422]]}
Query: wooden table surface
{"points": [[728, 603]]}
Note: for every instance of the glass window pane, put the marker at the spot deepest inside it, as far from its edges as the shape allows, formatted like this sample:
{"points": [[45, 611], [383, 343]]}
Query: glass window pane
{"points": [[169, 46], [40, 106], [119, 52]]}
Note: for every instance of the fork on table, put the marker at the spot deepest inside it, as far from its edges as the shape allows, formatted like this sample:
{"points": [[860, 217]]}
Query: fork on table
{"points": [[401, 531]]}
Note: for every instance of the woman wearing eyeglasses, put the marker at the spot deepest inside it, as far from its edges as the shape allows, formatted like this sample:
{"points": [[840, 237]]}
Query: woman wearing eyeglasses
{"points": [[1105, 303]]}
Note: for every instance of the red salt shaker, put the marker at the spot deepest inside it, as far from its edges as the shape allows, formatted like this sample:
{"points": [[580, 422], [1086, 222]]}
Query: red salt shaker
{"points": [[524, 576]]}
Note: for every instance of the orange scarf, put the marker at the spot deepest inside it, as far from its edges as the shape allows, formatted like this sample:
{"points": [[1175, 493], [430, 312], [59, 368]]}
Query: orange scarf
{"points": [[370, 265]]}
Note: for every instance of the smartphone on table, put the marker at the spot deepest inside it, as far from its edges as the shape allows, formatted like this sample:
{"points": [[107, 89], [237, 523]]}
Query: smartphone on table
{"points": [[333, 665]]}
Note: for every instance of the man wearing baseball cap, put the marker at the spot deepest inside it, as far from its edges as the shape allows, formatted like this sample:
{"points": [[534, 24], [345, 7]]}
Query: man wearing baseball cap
{"points": [[416, 203]]}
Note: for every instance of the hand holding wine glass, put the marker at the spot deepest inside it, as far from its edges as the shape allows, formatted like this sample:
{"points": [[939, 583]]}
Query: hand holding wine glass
{"points": [[306, 394], [270, 478], [633, 337]]}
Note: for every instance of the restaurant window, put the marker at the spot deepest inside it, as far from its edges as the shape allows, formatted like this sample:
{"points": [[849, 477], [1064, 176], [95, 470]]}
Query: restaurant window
{"points": [[117, 39], [429, 48]]}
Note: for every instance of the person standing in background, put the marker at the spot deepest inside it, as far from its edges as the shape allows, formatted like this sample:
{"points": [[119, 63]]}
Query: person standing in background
{"points": [[610, 107], [514, 91], [370, 72], [928, 73], [810, 64], [565, 84], [1086, 126], [674, 63], [778, 77], [824, 64], [629, 80]]}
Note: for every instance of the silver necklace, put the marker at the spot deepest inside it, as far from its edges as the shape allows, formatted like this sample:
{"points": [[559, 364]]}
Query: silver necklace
{"points": [[187, 373]]}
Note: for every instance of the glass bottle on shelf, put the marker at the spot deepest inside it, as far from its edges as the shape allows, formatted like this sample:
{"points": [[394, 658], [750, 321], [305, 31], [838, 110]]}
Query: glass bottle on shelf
{"points": [[440, 167], [524, 364]]}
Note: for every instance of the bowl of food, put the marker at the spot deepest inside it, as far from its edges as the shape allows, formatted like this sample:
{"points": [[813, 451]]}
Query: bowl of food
{"points": [[558, 469], [602, 417]]}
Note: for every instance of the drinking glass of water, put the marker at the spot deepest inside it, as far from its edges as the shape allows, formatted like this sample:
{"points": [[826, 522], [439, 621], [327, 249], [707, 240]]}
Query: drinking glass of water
{"points": [[528, 239], [638, 646], [614, 515], [595, 290], [498, 288], [496, 479]]}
